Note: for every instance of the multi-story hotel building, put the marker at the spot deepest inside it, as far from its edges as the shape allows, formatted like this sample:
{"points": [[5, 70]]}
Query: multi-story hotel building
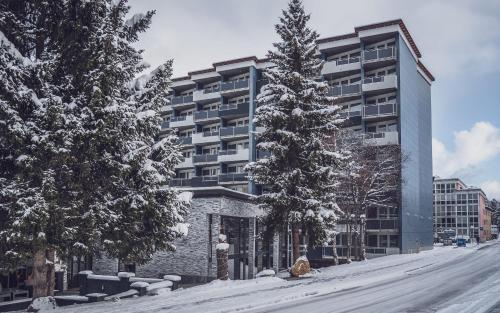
{"points": [[464, 209], [383, 88]]}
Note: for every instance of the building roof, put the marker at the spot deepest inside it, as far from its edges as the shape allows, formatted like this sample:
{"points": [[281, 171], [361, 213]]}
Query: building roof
{"points": [[218, 191], [425, 70], [357, 29]]}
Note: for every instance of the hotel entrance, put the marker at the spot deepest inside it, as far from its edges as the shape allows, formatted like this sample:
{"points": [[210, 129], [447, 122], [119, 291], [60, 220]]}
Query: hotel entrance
{"points": [[236, 230]]}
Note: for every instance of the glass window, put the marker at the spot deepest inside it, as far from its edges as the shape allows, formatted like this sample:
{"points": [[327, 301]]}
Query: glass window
{"points": [[393, 241]]}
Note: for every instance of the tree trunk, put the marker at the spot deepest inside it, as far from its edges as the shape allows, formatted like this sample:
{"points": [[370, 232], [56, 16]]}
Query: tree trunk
{"points": [[295, 243], [334, 252], [43, 273], [362, 241], [349, 243]]}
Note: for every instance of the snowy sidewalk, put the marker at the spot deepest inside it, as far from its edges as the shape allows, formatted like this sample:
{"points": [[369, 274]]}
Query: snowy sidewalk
{"points": [[236, 296]]}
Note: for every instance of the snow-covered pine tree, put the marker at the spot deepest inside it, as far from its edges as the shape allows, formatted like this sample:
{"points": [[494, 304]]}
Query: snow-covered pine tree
{"points": [[79, 145], [300, 176], [30, 121]]}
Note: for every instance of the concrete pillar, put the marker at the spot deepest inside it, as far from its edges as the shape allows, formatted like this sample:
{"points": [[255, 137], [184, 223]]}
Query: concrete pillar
{"points": [[251, 247], [276, 252]]}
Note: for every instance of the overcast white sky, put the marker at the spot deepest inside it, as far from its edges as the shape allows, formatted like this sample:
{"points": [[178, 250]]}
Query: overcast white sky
{"points": [[459, 40]]}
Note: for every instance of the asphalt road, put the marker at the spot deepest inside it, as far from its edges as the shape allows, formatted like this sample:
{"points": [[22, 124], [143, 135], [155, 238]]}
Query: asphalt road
{"points": [[470, 283]]}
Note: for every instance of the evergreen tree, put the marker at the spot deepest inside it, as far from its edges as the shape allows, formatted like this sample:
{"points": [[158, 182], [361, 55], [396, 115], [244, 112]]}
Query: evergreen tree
{"points": [[301, 174], [82, 165]]}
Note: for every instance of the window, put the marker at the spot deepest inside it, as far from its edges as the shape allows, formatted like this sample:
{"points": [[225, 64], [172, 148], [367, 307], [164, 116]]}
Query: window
{"points": [[210, 172], [393, 241], [383, 241], [372, 240]]}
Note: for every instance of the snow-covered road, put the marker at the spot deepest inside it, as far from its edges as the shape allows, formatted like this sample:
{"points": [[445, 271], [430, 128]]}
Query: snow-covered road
{"points": [[445, 279]]}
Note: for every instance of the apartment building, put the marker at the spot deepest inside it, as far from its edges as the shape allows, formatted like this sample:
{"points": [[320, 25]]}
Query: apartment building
{"points": [[466, 210], [384, 90]]}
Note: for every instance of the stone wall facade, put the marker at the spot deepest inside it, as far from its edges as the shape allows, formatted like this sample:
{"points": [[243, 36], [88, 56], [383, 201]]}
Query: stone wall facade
{"points": [[195, 256]]}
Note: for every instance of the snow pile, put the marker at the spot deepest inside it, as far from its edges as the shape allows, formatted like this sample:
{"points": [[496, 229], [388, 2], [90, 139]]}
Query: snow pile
{"points": [[172, 277], [126, 274], [266, 273], [44, 304], [139, 284], [222, 246]]}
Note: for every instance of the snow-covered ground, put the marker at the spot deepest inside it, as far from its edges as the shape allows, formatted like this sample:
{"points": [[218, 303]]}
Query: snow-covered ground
{"points": [[445, 279]]}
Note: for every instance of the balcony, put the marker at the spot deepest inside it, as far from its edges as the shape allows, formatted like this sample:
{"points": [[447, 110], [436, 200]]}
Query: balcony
{"points": [[345, 90], [166, 108], [263, 154], [380, 111], [186, 140], [206, 115], [207, 94], [234, 132], [340, 66], [205, 158], [352, 118], [234, 87], [204, 181], [165, 125], [234, 109], [382, 224], [180, 182], [233, 155], [186, 163], [181, 101], [379, 55], [381, 139], [206, 137], [231, 178], [181, 121], [379, 84]]}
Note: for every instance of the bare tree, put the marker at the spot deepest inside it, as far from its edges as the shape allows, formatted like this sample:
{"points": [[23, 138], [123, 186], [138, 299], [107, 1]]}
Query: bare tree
{"points": [[371, 177]]}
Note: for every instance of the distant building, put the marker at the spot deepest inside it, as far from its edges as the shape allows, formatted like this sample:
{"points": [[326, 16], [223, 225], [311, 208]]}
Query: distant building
{"points": [[461, 208]]}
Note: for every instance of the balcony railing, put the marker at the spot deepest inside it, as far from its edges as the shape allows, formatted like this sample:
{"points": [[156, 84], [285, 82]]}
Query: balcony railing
{"points": [[374, 79], [263, 154], [347, 61], [232, 85], [205, 115], [178, 118], [344, 90], [385, 109], [204, 158], [182, 99], [212, 89], [180, 182], [211, 133], [186, 140], [379, 54], [382, 224], [350, 114], [165, 125], [382, 138], [234, 108], [232, 177], [228, 152], [233, 131]]}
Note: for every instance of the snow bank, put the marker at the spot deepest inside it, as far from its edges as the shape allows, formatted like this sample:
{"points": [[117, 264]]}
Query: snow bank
{"points": [[44, 304], [103, 277], [126, 274], [172, 277], [139, 284], [265, 273]]}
